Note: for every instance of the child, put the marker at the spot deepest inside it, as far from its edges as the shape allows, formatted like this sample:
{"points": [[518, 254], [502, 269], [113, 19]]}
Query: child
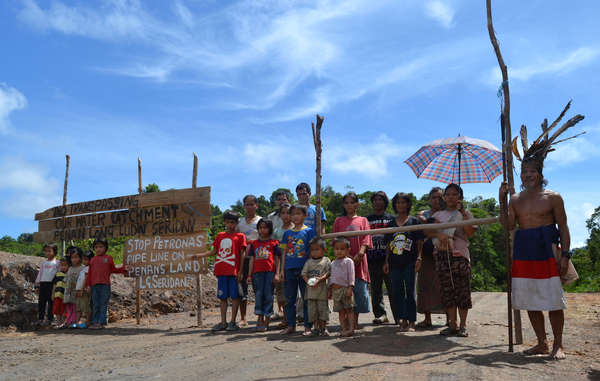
{"points": [[43, 283], [70, 298], [403, 259], [247, 226], [286, 224], [58, 293], [99, 270], [229, 247], [350, 221], [341, 285], [315, 273], [82, 293], [295, 246], [264, 254]]}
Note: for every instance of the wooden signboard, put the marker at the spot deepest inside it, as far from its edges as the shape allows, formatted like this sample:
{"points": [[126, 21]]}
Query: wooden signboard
{"points": [[162, 262], [170, 212]]}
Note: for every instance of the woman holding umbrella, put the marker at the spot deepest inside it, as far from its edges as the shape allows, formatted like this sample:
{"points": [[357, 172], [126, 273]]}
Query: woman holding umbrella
{"points": [[453, 261]]}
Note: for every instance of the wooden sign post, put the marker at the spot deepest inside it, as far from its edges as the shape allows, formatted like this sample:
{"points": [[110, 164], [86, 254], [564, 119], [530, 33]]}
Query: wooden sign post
{"points": [[137, 287], [198, 275]]}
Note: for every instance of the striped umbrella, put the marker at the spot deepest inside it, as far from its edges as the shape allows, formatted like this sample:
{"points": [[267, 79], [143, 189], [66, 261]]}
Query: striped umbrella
{"points": [[457, 160]]}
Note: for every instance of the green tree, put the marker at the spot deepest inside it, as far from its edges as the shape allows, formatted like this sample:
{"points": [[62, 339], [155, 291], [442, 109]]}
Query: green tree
{"points": [[150, 188]]}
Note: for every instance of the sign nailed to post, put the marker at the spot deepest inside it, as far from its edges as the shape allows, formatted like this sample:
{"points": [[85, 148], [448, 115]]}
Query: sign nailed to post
{"points": [[170, 212], [161, 262]]}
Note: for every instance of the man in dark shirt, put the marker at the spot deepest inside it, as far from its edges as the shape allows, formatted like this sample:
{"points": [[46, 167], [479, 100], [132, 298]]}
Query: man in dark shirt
{"points": [[376, 258]]}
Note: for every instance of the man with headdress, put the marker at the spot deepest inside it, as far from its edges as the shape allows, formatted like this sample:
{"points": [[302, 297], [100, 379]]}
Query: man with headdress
{"points": [[536, 282]]}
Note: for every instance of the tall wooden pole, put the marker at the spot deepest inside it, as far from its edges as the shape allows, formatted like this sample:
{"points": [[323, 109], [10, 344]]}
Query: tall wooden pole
{"points": [[64, 202], [198, 276], [316, 131], [508, 172], [137, 283]]}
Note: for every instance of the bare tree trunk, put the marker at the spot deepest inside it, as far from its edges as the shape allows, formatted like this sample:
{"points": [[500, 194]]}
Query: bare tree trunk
{"points": [[318, 150], [508, 176]]}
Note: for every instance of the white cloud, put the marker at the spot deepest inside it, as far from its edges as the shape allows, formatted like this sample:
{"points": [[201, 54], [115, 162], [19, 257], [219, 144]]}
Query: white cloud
{"points": [[440, 12], [549, 65], [11, 99], [578, 212], [369, 160], [29, 188], [573, 151], [296, 50]]}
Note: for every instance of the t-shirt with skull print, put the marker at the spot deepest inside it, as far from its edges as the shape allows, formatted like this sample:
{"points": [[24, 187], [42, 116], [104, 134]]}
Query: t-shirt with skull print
{"points": [[403, 245], [229, 248]]}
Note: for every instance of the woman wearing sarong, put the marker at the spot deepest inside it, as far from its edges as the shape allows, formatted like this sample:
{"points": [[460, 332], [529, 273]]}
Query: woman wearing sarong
{"points": [[428, 284], [453, 261]]}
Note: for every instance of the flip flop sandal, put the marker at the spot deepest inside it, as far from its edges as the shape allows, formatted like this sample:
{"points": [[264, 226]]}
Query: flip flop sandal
{"points": [[462, 332], [423, 325], [449, 332], [219, 327]]}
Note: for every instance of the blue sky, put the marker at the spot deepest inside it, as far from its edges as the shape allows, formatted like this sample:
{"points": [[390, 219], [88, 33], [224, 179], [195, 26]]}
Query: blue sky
{"points": [[240, 82]]}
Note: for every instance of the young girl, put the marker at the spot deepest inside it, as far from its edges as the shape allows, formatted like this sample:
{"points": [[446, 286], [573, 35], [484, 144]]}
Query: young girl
{"points": [[264, 256], [287, 224], [58, 293], [350, 221], [82, 293], [100, 268], [404, 250], [44, 283], [70, 288], [341, 285]]}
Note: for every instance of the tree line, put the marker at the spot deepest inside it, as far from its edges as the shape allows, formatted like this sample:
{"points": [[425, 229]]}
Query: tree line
{"points": [[488, 254]]}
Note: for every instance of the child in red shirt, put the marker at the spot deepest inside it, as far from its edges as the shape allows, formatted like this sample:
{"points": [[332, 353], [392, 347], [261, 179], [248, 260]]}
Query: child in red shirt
{"points": [[229, 247], [100, 268], [264, 256]]}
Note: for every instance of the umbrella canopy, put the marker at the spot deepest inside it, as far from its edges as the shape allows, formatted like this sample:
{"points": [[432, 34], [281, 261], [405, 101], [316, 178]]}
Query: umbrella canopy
{"points": [[457, 160]]}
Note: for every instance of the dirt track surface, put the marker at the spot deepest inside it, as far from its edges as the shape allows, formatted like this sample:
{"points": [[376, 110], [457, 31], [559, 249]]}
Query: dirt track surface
{"points": [[169, 348]]}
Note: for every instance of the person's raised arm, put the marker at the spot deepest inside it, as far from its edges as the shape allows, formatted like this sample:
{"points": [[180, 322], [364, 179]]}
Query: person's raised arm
{"points": [[560, 217], [466, 215]]}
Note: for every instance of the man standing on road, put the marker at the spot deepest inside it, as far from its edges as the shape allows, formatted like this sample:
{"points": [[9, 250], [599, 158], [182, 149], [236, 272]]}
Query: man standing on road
{"points": [[536, 283]]}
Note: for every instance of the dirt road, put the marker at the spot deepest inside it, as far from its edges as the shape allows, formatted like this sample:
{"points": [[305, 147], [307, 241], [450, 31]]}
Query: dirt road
{"points": [[168, 348]]}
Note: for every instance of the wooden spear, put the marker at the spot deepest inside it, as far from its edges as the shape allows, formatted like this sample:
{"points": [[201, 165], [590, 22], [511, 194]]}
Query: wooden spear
{"points": [[508, 175]]}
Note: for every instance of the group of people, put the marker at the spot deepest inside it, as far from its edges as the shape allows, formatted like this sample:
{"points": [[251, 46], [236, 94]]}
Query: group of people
{"points": [[74, 291], [281, 256], [284, 260]]}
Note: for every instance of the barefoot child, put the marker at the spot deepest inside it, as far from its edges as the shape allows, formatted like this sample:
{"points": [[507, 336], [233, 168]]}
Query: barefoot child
{"points": [[351, 221], [229, 247], [287, 224], [43, 283], [294, 245], [264, 256], [341, 285], [315, 273], [82, 293], [70, 298], [58, 293], [99, 271]]}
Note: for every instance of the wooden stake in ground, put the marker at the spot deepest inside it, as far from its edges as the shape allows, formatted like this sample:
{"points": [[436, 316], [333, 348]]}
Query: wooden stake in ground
{"points": [[318, 149], [508, 173], [68, 159], [198, 276], [137, 285]]}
